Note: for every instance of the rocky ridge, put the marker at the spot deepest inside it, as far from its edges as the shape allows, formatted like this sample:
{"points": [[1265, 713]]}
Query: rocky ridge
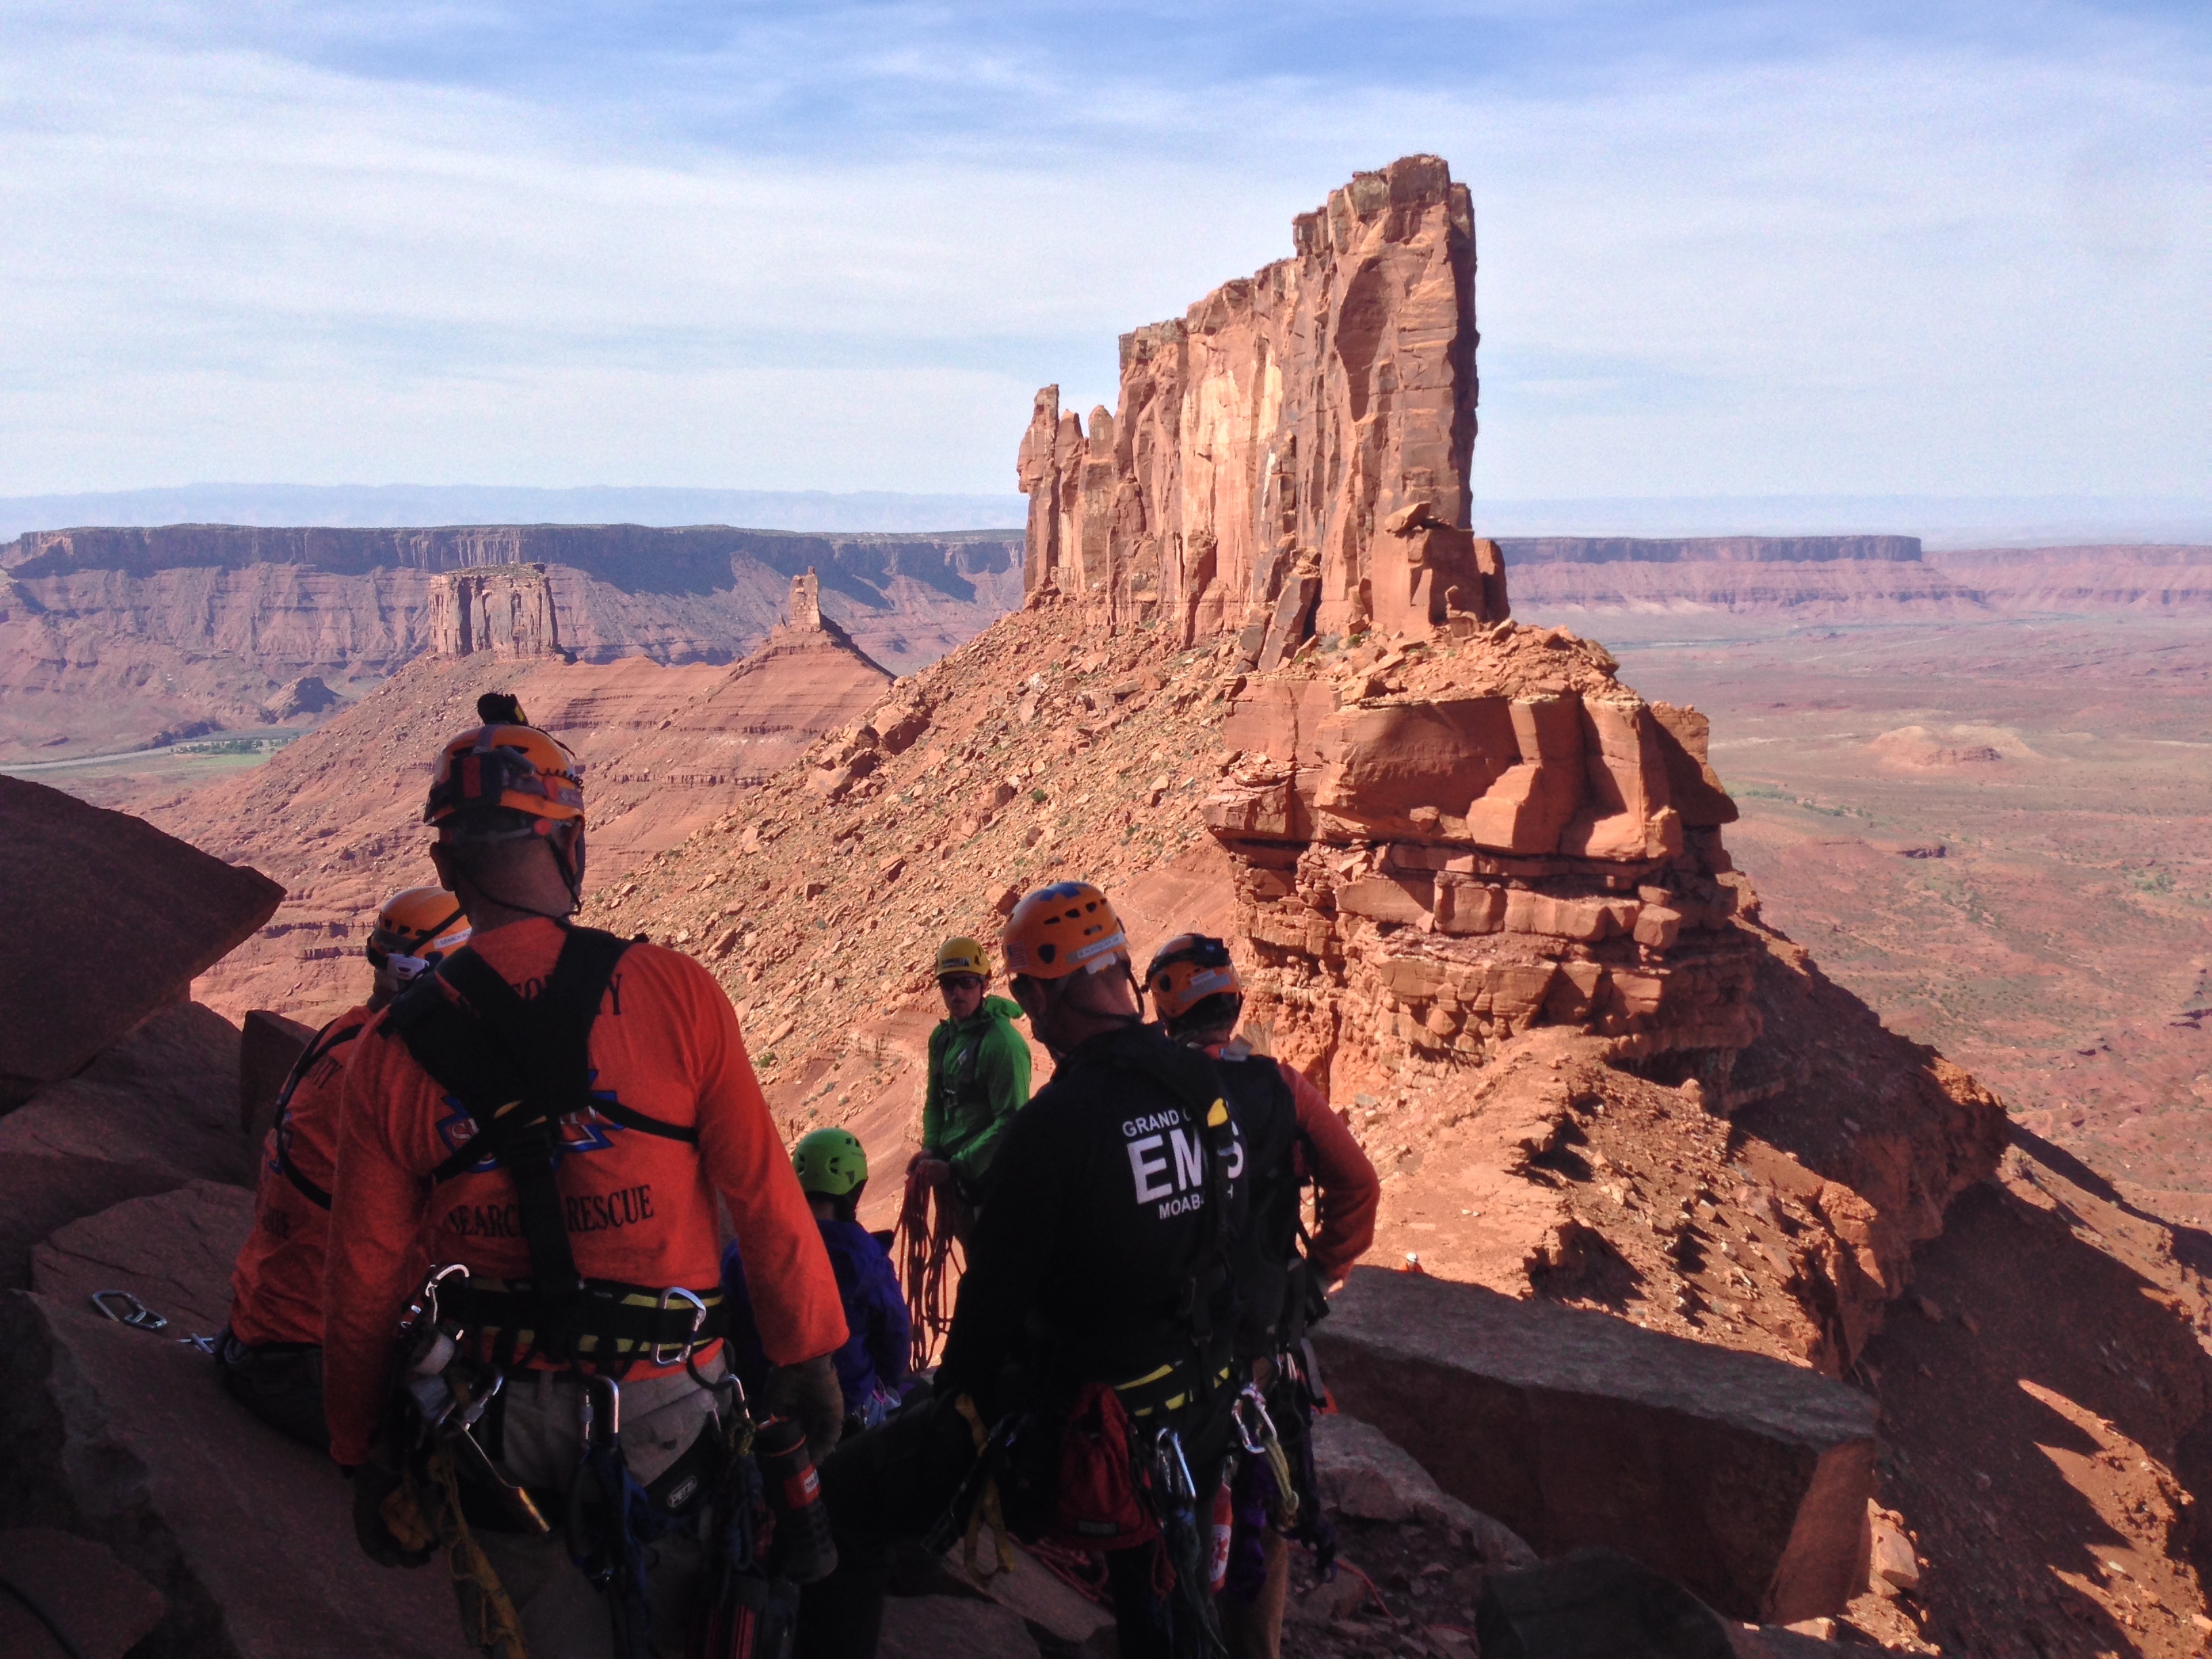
{"points": [[1298, 442], [109, 638], [1477, 888], [336, 817], [1869, 579]]}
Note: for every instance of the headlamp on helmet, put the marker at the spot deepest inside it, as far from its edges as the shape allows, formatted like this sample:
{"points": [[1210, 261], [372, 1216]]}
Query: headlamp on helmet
{"points": [[517, 768], [1189, 970]]}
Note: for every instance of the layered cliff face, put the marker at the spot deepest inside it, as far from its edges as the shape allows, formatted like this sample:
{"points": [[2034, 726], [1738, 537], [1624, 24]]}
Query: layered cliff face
{"points": [[505, 611], [111, 638], [1768, 580], [1439, 844], [336, 816], [1291, 455]]}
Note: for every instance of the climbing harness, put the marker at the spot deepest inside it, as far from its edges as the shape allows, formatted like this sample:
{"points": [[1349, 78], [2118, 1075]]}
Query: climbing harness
{"points": [[519, 1070]]}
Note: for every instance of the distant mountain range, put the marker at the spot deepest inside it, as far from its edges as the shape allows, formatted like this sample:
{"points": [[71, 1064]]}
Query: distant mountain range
{"points": [[1941, 521], [390, 506]]}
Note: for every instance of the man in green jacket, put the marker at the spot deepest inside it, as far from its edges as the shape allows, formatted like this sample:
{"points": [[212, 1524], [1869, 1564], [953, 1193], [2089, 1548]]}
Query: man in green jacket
{"points": [[979, 1076]]}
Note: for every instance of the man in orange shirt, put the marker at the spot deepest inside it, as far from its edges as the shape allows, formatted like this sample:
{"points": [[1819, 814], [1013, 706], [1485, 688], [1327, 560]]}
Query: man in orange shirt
{"points": [[1295, 1139], [591, 1098], [272, 1353]]}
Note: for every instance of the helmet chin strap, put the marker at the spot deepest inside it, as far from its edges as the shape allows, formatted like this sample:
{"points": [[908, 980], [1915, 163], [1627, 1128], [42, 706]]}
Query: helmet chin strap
{"points": [[572, 878]]}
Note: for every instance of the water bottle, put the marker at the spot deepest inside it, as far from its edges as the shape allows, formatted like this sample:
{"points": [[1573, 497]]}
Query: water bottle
{"points": [[802, 1551]]}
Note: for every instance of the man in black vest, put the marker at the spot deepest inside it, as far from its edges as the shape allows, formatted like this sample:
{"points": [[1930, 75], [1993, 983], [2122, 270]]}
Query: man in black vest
{"points": [[1101, 1273]]}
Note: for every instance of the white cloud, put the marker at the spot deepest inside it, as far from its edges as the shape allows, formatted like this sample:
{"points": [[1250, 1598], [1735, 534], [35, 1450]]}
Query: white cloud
{"points": [[778, 259]]}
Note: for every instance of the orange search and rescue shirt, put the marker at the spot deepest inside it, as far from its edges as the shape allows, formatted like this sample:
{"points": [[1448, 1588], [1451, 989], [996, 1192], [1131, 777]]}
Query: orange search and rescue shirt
{"points": [[639, 1207], [277, 1287]]}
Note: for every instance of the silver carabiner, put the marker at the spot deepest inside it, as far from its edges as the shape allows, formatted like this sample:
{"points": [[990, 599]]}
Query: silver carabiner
{"points": [[698, 1322], [140, 1317], [602, 1421], [1245, 1437], [1258, 1401], [424, 1308], [1167, 1446]]}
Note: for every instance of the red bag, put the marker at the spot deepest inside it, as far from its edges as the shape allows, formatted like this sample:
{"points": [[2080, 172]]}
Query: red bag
{"points": [[1101, 1503]]}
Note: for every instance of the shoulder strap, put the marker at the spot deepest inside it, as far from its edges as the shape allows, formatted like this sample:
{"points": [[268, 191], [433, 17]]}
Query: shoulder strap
{"points": [[313, 1055], [516, 1068], [310, 1057]]}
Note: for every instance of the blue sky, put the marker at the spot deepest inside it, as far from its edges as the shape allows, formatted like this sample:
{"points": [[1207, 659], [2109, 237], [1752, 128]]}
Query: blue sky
{"points": [[1725, 250]]}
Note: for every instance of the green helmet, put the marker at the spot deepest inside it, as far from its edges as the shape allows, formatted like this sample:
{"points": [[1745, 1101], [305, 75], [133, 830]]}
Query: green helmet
{"points": [[830, 1162]]}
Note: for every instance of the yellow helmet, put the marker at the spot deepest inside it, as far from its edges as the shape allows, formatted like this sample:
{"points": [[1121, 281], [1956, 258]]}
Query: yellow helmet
{"points": [[963, 956], [1067, 927], [415, 930]]}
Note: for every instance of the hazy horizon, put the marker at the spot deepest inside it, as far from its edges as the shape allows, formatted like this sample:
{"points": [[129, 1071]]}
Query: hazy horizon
{"points": [[1940, 522]]}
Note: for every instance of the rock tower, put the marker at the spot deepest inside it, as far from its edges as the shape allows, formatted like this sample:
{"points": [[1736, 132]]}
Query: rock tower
{"points": [[1291, 456], [505, 610]]}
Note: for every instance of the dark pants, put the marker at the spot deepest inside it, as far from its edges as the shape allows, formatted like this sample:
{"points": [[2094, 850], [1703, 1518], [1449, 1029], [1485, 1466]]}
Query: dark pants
{"points": [[280, 1382], [893, 1484]]}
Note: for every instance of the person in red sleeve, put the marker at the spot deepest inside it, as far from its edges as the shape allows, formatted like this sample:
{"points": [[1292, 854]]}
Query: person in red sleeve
{"points": [[556, 1111], [1295, 1139], [271, 1355]]}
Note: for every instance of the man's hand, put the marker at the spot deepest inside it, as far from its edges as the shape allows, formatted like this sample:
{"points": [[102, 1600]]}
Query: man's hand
{"points": [[934, 1171], [374, 1483], [810, 1391]]}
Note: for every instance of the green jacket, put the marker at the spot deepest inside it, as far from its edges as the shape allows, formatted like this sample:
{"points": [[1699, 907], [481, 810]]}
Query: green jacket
{"points": [[979, 1078]]}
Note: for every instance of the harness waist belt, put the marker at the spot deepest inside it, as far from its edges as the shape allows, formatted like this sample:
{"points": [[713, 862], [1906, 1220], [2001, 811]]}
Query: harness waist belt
{"points": [[1168, 1389], [607, 1321]]}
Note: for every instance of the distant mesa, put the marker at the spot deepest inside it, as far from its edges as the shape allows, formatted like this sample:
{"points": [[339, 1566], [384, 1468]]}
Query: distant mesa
{"points": [[109, 636], [667, 749], [307, 696], [1708, 549], [499, 611], [1809, 579], [1946, 748]]}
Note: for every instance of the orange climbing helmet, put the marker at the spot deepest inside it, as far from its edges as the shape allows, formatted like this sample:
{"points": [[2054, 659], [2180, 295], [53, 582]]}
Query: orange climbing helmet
{"points": [[416, 931], [1066, 928], [1187, 971], [506, 762]]}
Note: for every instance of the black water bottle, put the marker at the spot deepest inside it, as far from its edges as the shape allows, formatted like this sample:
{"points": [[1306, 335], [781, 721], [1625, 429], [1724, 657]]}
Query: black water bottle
{"points": [[802, 1551]]}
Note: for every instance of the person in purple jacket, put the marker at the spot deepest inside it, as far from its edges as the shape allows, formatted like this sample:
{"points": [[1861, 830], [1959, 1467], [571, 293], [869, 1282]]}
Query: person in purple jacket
{"points": [[872, 1367]]}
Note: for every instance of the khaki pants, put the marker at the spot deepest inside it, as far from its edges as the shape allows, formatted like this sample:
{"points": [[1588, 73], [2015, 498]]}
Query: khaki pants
{"points": [[563, 1617], [1253, 1629]]}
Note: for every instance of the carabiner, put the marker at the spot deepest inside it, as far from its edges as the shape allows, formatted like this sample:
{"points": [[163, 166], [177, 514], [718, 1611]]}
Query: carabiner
{"points": [[1167, 1447], [698, 1320], [603, 1420], [424, 1308], [1251, 1396], [1252, 1443], [139, 1317]]}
